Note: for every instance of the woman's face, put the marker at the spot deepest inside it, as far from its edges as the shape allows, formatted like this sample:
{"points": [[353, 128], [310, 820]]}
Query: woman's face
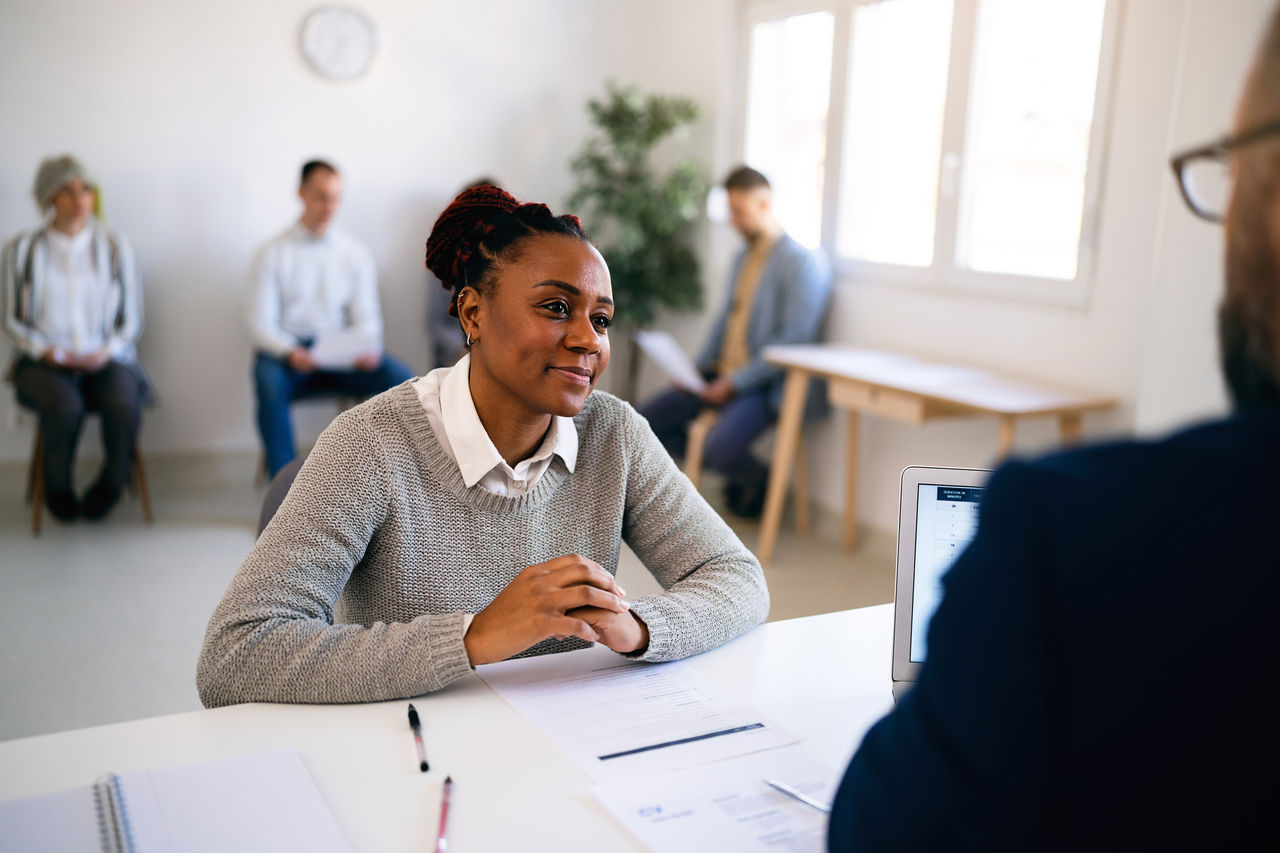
{"points": [[73, 202], [541, 328]]}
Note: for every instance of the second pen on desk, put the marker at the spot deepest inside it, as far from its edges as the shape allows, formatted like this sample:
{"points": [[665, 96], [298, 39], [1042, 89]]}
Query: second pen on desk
{"points": [[797, 795], [416, 725], [442, 833]]}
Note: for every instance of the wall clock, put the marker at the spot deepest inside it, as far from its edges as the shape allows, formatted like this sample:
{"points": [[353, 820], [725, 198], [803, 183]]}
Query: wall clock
{"points": [[339, 43]]}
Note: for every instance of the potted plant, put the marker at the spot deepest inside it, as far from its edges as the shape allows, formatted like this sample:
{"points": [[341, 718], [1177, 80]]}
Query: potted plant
{"points": [[640, 216]]}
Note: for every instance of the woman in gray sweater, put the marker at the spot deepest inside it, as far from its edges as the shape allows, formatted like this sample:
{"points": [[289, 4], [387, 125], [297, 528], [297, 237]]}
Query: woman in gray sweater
{"points": [[476, 513]]}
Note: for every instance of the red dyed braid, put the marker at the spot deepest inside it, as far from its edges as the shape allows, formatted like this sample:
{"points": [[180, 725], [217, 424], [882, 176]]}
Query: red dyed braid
{"points": [[463, 226]]}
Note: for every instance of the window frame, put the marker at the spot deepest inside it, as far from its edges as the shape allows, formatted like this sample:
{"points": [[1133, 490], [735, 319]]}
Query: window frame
{"points": [[944, 275]]}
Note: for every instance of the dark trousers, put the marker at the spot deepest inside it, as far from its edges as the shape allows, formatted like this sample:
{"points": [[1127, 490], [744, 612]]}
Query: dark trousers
{"points": [[277, 385], [61, 398], [728, 448]]}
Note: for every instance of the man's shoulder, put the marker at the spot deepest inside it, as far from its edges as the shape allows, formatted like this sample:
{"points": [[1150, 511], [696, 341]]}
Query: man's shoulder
{"points": [[1233, 459], [347, 242], [792, 247], [788, 245], [799, 257], [1238, 436], [279, 241]]}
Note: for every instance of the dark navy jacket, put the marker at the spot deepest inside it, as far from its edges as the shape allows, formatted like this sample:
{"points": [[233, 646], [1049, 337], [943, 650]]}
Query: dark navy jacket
{"points": [[1101, 672]]}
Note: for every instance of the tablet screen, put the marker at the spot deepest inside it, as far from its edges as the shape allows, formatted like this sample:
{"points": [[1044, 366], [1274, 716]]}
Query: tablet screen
{"points": [[946, 519]]}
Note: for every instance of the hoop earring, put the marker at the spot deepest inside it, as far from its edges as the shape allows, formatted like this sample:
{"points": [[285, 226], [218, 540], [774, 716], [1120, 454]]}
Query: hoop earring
{"points": [[468, 340]]}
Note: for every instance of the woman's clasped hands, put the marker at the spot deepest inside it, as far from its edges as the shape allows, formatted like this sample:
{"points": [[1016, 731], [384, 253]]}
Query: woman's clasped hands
{"points": [[569, 596]]}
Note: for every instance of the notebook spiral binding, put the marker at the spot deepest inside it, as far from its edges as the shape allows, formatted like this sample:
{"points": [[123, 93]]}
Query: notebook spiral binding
{"points": [[113, 816]]}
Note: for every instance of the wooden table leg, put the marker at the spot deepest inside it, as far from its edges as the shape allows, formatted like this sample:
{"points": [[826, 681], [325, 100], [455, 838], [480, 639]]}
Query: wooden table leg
{"points": [[784, 448], [800, 489], [1006, 437], [1070, 427], [851, 479]]}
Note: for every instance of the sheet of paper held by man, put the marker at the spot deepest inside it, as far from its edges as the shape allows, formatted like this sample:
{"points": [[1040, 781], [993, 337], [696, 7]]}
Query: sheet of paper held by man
{"points": [[728, 805], [338, 349], [618, 718], [666, 353]]}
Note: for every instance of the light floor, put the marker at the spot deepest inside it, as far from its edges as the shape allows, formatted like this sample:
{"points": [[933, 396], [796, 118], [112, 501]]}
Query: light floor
{"points": [[103, 623]]}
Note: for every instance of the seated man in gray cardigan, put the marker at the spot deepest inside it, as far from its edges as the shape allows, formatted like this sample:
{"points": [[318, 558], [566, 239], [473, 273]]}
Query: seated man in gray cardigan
{"points": [[778, 294]]}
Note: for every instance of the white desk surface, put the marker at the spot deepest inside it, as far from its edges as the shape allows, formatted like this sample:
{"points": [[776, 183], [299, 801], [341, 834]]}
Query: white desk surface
{"points": [[826, 678], [966, 387]]}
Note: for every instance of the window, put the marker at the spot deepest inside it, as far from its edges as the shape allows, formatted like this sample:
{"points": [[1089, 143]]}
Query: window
{"points": [[893, 131], [789, 91], [960, 144], [1030, 112]]}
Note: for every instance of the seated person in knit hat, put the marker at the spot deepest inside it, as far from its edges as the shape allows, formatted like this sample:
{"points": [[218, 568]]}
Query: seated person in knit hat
{"points": [[312, 280], [476, 514], [73, 307]]}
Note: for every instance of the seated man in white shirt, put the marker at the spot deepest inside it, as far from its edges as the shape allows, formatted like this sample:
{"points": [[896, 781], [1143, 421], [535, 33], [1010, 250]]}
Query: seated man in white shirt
{"points": [[311, 281]]}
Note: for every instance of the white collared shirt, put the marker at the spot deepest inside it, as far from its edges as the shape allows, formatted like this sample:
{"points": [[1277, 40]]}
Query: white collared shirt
{"points": [[445, 394], [75, 294], [304, 284]]}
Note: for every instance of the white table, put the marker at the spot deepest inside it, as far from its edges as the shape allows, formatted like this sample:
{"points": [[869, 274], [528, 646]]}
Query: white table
{"points": [[825, 678]]}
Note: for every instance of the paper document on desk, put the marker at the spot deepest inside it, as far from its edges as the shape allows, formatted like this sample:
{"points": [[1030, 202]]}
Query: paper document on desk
{"points": [[664, 350], [617, 718], [339, 349], [727, 805]]}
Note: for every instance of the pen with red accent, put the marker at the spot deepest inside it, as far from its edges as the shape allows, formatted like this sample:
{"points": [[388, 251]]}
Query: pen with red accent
{"points": [[416, 725], [442, 838]]}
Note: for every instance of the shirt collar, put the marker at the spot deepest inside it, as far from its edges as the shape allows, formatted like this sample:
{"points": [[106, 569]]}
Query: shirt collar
{"points": [[306, 235], [476, 452], [70, 243], [765, 242]]}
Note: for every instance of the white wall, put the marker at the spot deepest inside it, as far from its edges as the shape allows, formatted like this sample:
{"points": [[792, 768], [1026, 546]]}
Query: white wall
{"points": [[692, 49], [197, 115], [1180, 379]]}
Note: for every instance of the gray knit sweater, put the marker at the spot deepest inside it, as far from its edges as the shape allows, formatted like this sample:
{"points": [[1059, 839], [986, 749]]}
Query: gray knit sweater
{"points": [[356, 590]]}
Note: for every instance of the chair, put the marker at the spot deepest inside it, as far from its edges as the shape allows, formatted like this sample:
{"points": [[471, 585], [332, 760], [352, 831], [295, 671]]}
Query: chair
{"points": [[35, 483], [260, 474], [276, 491], [701, 427]]}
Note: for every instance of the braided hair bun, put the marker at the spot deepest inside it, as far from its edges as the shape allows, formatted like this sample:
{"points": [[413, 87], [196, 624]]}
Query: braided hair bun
{"points": [[478, 227]]}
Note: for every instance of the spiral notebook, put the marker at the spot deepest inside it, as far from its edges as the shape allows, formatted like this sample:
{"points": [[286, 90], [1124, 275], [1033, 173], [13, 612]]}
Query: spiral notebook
{"points": [[261, 802]]}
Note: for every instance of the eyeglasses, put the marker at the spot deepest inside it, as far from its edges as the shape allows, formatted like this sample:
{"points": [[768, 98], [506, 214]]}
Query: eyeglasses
{"points": [[1204, 175]]}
